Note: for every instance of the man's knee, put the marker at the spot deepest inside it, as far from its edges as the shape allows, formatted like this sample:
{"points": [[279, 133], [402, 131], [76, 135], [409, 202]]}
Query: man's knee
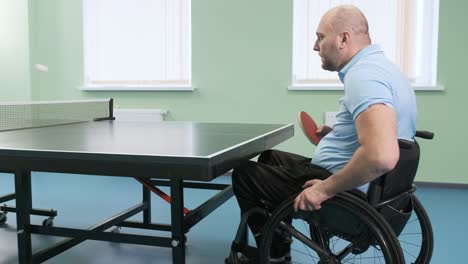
{"points": [[265, 156], [241, 174]]}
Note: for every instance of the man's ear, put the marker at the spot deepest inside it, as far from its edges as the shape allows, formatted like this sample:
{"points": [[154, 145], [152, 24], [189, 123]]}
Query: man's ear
{"points": [[345, 39]]}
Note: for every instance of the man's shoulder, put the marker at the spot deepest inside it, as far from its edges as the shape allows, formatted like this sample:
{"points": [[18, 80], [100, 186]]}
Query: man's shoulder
{"points": [[379, 69], [371, 64], [365, 77], [366, 71]]}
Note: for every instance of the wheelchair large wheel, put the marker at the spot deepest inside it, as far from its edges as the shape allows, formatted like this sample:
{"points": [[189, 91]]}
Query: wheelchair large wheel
{"points": [[416, 239], [344, 230]]}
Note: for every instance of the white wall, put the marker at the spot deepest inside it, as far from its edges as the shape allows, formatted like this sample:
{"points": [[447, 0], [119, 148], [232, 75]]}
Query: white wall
{"points": [[14, 51]]}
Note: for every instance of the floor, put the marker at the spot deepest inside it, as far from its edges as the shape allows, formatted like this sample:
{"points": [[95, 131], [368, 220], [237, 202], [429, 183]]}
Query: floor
{"points": [[83, 203]]}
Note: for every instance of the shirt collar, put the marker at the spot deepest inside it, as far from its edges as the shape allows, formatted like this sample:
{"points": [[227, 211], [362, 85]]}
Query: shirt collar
{"points": [[362, 53]]}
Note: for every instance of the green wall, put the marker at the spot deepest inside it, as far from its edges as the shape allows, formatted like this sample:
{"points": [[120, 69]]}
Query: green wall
{"points": [[444, 112], [242, 67], [14, 50]]}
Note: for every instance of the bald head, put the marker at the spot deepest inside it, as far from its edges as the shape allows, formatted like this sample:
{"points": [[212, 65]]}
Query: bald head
{"points": [[341, 33], [348, 18]]}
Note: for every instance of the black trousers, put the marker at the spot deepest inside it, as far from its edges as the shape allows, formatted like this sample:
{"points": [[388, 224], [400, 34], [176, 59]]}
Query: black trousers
{"points": [[275, 177]]}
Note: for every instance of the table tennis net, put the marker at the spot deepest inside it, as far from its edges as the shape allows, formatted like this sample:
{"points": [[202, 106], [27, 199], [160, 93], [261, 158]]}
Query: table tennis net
{"points": [[21, 115]]}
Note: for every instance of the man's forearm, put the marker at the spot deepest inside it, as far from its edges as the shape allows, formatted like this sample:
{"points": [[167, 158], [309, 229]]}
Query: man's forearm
{"points": [[361, 169]]}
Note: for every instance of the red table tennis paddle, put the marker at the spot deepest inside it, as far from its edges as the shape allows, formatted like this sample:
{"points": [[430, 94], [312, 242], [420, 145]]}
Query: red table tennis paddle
{"points": [[309, 127]]}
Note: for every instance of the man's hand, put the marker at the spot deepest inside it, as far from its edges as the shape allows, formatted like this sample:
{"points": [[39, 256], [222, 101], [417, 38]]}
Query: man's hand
{"points": [[323, 130], [312, 196]]}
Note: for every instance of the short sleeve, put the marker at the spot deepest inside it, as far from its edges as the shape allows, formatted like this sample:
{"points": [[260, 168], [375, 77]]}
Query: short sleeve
{"points": [[364, 88]]}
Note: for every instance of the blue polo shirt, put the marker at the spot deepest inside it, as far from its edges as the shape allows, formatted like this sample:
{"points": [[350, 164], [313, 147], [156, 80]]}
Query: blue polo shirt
{"points": [[369, 78]]}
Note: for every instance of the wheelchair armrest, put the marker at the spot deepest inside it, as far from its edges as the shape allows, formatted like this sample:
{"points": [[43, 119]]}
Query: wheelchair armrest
{"points": [[406, 144]]}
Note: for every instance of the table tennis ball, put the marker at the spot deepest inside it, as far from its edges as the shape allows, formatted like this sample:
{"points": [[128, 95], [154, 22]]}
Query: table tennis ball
{"points": [[41, 67]]}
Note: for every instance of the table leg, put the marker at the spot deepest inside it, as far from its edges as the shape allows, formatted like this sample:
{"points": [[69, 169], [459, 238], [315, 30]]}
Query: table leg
{"points": [[23, 220], [147, 200], [177, 222]]}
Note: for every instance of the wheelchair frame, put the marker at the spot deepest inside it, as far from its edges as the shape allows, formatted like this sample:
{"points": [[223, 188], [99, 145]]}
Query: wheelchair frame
{"points": [[378, 233]]}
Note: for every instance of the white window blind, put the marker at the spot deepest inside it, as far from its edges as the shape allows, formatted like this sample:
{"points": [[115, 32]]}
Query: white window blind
{"points": [[137, 44], [407, 31]]}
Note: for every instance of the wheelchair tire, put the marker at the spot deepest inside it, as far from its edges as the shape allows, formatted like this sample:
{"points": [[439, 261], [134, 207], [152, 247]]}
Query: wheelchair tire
{"points": [[316, 240], [416, 239]]}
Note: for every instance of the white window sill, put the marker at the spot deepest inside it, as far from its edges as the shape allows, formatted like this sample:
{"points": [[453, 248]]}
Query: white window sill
{"points": [[131, 88], [437, 87], [315, 87], [339, 87]]}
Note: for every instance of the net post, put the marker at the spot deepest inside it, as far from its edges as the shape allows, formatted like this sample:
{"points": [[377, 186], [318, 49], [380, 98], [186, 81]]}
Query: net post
{"points": [[111, 112], [111, 109]]}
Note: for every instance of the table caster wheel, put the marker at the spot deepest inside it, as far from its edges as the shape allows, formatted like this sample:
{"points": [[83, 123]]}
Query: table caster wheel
{"points": [[3, 218], [49, 222]]}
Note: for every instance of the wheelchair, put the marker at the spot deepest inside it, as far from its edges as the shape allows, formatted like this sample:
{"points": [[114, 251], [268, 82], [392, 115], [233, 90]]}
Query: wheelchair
{"points": [[388, 225]]}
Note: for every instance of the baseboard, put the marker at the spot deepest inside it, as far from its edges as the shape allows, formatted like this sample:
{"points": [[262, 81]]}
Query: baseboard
{"points": [[444, 185]]}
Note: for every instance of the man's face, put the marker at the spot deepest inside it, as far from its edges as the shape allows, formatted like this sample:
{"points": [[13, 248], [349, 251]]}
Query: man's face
{"points": [[327, 46]]}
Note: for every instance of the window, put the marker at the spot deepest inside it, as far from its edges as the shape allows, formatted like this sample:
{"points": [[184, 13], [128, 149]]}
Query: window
{"points": [[137, 45], [407, 30]]}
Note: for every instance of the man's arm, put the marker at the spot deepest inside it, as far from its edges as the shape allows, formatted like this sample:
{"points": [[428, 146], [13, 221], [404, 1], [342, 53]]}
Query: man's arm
{"points": [[377, 154]]}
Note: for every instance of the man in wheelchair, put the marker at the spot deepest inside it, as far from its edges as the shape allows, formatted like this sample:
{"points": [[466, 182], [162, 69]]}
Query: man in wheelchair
{"points": [[377, 110]]}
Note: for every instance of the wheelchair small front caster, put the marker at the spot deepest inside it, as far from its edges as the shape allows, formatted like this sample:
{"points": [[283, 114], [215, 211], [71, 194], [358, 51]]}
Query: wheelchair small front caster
{"points": [[49, 222]]}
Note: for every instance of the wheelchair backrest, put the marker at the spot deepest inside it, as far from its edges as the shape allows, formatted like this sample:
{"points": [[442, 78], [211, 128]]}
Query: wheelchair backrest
{"points": [[389, 186], [400, 179]]}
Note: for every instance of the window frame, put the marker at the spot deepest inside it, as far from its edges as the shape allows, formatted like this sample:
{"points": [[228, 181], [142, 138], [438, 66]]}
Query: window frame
{"points": [[143, 85], [432, 21]]}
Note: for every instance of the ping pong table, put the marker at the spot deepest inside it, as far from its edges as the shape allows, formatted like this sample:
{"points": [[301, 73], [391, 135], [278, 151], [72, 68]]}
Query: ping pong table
{"points": [[174, 154]]}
